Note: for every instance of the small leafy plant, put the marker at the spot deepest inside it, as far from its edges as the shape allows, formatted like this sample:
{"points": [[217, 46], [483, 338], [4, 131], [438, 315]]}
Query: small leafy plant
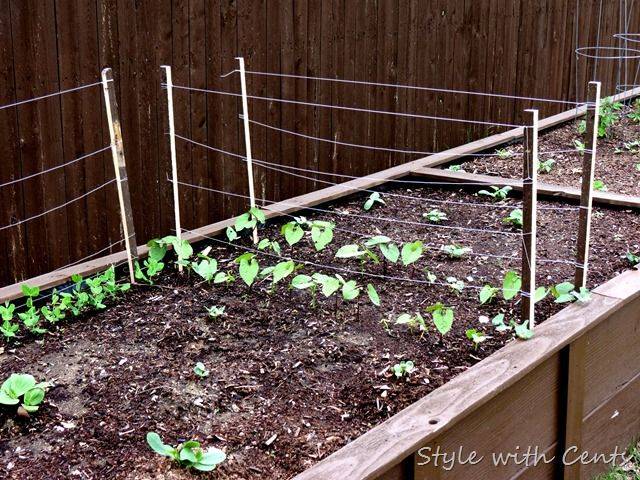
{"points": [[412, 321], [442, 317], [565, 292], [21, 388], [631, 257], [435, 216], [389, 250], [514, 218], [599, 186], [200, 370], [411, 252], [497, 193], [374, 198], [504, 153], [581, 148], [188, 454], [455, 251], [216, 311], [248, 267], [476, 337], [455, 168], [511, 285], [546, 166], [403, 368]]}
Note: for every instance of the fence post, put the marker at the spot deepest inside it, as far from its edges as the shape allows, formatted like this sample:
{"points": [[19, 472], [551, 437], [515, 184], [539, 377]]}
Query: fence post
{"points": [[168, 81], [120, 167], [247, 138], [588, 167], [529, 217]]}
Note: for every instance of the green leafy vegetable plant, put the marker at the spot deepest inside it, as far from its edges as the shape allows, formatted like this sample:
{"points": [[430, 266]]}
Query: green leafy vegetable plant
{"points": [[415, 321], [374, 198], [546, 166], [455, 168], [389, 250], [497, 193], [454, 284], [511, 285], [292, 231], [498, 323], [266, 244], [31, 318], [599, 186], [188, 454], [216, 311], [8, 328], [504, 153], [248, 267], [411, 252], [321, 233], [514, 218], [522, 330], [565, 292], [442, 317], [476, 336], [200, 370], [435, 216], [632, 258], [455, 251], [488, 293], [21, 388], [403, 368]]}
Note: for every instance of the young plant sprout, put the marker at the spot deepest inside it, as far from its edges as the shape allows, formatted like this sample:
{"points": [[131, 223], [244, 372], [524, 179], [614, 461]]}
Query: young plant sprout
{"points": [[403, 369], [353, 250], [497, 193], [442, 317], [632, 258], [609, 115], [389, 250], [374, 198], [22, 389], [250, 219], [504, 153], [266, 244], [205, 267], [248, 268], [514, 218], [498, 322], [411, 252], [435, 216], [580, 146], [293, 232], [522, 330], [565, 292], [31, 318], [488, 293], [455, 168], [188, 454], [412, 321], [455, 251], [454, 284], [200, 370], [321, 233], [599, 185], [476, 337], [216, 311], [8, 329], [546, 166], [634, 115], [511, 285]]}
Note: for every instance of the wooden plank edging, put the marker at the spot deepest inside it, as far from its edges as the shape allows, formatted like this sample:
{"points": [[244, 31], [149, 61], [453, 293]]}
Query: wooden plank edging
{"points": [[386, 445]]}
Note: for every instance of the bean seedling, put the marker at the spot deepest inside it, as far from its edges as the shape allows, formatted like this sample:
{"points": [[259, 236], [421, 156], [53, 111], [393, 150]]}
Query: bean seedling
{"points": [[497, 193], [412, 321], [200, 370], [403, 368], [581, 148], [435, 216], [411, 252], [455, 168], [188, 454], [599, 185], [389, 250], [22, 388], [504, 153], [373, 199], [476, 337], [216, 311], [248, 267], [455, 251], [632, 258], [514, 218], [442, 317], [546, 166], [511, 285]]}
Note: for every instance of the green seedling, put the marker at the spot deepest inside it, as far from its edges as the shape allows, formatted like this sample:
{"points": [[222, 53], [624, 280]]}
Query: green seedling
{"points": [[488, 293], [476, 337], [389, 250], [454, 284], [372, 293], [249, 220], [293, 232], [224, 277], [609, 115], [8, 328], [412, 321], [216, 311], [631, 147], [455, 251], [248, 267], [632, 258], [266, 244], [442, 317], [546, 166], [514, 218], [356, 251], [580, 146], [565, 292], [511, 285], [455, 168], [411, 252], [435, 216], [498, 322], [403, 369], [599, 186], [504, 153], [374, 198], [22, 389], [31, 318], [522, 330], [200, 370], [206, 268], [321, 233], [497, 193], [188, 454]]}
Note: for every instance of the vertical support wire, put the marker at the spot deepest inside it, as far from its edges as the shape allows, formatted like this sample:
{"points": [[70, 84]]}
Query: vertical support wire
{"points": [[529, 218], [247, 139], [120, 167], [168, 81], [586, 194]]}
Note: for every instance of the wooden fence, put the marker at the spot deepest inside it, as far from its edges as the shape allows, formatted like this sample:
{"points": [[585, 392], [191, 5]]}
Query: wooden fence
{"points": [[514, 47]]}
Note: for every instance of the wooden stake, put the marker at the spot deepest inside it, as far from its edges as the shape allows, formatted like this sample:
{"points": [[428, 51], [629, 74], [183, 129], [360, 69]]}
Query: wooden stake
{"points": [[167, 80], [529, 218], [588, 167], [120, 167], [247, 138]]}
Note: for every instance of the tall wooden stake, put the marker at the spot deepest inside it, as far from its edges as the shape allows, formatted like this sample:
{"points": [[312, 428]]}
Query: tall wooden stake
{"points": [[120, 167], [588, 167], [168, 81], [529, 217], [247, 139]]}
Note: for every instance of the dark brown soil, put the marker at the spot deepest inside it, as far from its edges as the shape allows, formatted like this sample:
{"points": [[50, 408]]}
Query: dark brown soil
{"points": [[618, 171], [316, 378]]}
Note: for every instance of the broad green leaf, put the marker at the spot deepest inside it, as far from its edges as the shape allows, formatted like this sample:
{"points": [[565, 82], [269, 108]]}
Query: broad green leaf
{"points": [[390, 251], [283, 270], [5, 399], [155, 442], [187, 455], [540, 293], [443, 320], [18, 384], [321, 235], [244, 221], [350, 290], [29, 291], [330, 285], [523, 331], [302, 282], [33, 397], [249, 270], [258, 214], [411, 252], [292, 232], [349, 251], [231, 234], [213, 456], [487, 293], [377, 240], [373, 295], [511, 285]]}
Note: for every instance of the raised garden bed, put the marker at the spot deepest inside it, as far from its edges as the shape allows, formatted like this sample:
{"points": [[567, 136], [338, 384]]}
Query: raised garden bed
{"points": [[290, 383]]}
